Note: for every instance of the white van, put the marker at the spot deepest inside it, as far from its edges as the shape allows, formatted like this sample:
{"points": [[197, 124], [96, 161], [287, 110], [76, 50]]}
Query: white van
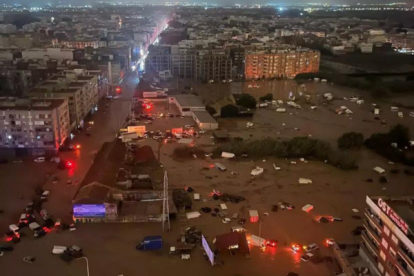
{"points": [[39, 159], [34, 226], [14, 228], [311, 247], [57, 249], [220, 166]]}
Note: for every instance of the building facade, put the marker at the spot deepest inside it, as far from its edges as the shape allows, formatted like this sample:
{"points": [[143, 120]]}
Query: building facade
{"points": [[34, 124], [81, 92], [280, 63], [81, 43], [388, 242]]}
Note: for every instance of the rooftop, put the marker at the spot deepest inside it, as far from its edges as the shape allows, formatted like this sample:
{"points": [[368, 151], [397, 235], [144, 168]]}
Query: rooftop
{"points": [[30, 104], [204, 117]]}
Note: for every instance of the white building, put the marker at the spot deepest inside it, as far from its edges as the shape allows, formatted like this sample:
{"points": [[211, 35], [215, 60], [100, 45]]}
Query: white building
{"points": [[49, 53], [187, 104], [365, 47], [204, 120], [7, 28]]}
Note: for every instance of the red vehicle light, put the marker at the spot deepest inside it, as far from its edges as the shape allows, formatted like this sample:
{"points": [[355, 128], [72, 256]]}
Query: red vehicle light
{"points": [[118, 89], [69, 164], [77, 146]]}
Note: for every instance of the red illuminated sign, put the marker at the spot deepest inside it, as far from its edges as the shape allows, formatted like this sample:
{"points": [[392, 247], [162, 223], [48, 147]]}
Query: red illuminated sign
{"points": [[393, 216]]}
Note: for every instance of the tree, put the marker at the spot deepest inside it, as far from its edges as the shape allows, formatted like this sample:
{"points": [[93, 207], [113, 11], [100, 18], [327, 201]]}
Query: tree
{"points": [[351, 140], [380, 92], [229, 111], [400, 134], [247, 100], [211, 110], [267, 97]]}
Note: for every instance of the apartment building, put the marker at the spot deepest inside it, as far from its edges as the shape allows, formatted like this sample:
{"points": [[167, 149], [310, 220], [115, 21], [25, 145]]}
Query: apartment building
{"points": [[402, 42], [213, 65], [30, 125], [80, 43], [388, 242], [49, 53], [80, 90], [190, 62], [284, 63]]}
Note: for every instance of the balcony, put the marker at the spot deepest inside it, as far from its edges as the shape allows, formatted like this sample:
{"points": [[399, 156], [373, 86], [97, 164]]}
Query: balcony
{"points": [[372, 257], [374, 231], [402, 266], [373, 218], [407, 256], [370, 242]]}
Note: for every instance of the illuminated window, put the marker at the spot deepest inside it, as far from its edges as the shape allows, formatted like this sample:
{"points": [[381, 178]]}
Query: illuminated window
{"points": [[394, 239], [382, 254], [381, 267], [386, 230], [384, 243]]}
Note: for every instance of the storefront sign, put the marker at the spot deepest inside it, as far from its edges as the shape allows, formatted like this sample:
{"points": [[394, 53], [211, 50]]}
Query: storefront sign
{"points": [[137, 129], [207, 249], [393, 216], [89, 210]]}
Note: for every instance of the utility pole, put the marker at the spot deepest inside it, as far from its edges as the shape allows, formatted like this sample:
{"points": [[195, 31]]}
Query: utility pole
{"points": [[165, 205]]}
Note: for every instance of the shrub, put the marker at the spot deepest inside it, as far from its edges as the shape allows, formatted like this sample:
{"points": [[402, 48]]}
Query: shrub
{"points": [[351, 140], [247, 100], [295, 148], [211, 110], [381, 144], [267, 97]]}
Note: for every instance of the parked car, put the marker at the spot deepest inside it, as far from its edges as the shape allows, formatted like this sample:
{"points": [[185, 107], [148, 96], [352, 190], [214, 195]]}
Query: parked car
{"points": [[45, 195], [306, 257], [29, 207], [26, 218], [311, 247], [74, 251], [39, 159], [44, 214]]}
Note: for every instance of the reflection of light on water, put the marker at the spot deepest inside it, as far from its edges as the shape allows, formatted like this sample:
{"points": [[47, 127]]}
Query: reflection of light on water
{"points": [[71, 172], [271, 251], [295, 256]]}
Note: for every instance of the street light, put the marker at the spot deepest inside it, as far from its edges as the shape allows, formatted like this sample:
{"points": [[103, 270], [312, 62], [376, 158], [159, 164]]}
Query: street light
{"points": [[87, 264]]}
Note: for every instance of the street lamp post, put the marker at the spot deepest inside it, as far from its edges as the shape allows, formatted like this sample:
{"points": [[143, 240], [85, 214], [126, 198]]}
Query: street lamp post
{"points": [[87, 264]]}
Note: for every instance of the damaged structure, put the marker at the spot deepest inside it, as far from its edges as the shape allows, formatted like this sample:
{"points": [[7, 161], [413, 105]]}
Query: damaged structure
{"points": [[117, 188]]}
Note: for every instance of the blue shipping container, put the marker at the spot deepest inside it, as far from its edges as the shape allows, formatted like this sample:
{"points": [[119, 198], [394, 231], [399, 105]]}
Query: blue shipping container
{"points": [[150, 243]]}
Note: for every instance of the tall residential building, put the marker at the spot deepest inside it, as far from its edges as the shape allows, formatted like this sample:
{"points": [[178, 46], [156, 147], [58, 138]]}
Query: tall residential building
{"points": [[190, 62], [284, 63], [81, 91], [80, 42], [388, 242], [213, 65], [34, 124]]}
